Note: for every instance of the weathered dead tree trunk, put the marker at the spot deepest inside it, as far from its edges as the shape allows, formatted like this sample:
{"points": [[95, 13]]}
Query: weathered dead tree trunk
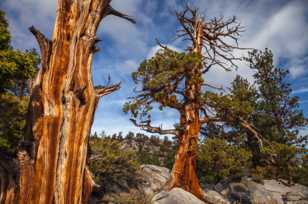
{"points": [[61, 111]]}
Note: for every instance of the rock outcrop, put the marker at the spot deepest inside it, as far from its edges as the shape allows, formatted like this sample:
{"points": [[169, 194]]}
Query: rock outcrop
{"points": [[243, 191], [270, 192], [153, 178], [175, 196], [215, 197]]}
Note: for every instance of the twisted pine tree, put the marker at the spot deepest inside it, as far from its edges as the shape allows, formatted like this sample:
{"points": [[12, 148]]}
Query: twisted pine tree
{"points": [[176, 80]]}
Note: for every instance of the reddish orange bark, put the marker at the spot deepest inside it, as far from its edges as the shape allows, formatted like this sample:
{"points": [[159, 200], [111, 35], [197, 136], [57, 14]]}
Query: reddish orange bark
{"points": [[183, 174]]}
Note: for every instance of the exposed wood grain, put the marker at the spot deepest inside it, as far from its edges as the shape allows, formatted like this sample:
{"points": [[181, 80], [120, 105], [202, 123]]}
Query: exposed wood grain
{"points": [[62, 105]]}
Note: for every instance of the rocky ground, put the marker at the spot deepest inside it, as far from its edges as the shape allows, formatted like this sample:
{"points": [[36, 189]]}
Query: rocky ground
{"points": [[245, 191]]}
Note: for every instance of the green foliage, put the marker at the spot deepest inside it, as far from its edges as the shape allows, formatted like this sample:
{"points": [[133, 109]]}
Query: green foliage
{"points": [[161, 79], [16, 69], [239, 103], [219, 160], [148, 150], [283, 165], [111, 165], [12, 120], [301, 175], [152, 150], [278, 115], [5, 37], [271, 110]]}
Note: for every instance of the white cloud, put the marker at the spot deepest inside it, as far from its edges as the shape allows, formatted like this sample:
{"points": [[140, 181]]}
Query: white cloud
{"points": [[297, 71], [156, 48], [298, 67], [24, 13], [285, 32], [113, 125], [281, 27], [128, 66], [303, 101], [127, 38], [299, 91]]}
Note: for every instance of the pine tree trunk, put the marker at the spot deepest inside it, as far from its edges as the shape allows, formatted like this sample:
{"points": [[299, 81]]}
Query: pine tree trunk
{"points": [[183, 174], [61, 111]]}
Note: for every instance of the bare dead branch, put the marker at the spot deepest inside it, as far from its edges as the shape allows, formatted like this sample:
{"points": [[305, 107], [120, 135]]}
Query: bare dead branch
{"points": [[219, 37], [255, 133], [112, 11], [207, 119], [161, 45], [44, 44], [105, 90], [213, 86], [146, 126]]}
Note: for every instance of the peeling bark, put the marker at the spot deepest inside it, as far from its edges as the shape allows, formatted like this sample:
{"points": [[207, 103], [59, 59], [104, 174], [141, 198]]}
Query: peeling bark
{"points": [[62, 106], [183, 174], [88, 184]]}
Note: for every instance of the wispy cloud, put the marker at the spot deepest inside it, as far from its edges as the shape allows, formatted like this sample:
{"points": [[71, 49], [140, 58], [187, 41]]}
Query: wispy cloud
{"points": [[280, 25], [299, 91], [303, 101]]}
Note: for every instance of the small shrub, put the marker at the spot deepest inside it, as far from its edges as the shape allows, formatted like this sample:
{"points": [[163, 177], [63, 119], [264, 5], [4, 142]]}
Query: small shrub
{"points": [[282, 164], [302, 171], [113, 168]]}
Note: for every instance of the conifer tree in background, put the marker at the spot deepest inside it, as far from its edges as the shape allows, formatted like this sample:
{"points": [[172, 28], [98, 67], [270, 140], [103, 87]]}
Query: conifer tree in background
{"points": [[16, 69], [264, 117], [278, 117], [278, 111], [176, 80]]}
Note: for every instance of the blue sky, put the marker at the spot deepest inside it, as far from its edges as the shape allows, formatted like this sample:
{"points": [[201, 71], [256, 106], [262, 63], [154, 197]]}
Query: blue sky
{"points": [[280, 25]]}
